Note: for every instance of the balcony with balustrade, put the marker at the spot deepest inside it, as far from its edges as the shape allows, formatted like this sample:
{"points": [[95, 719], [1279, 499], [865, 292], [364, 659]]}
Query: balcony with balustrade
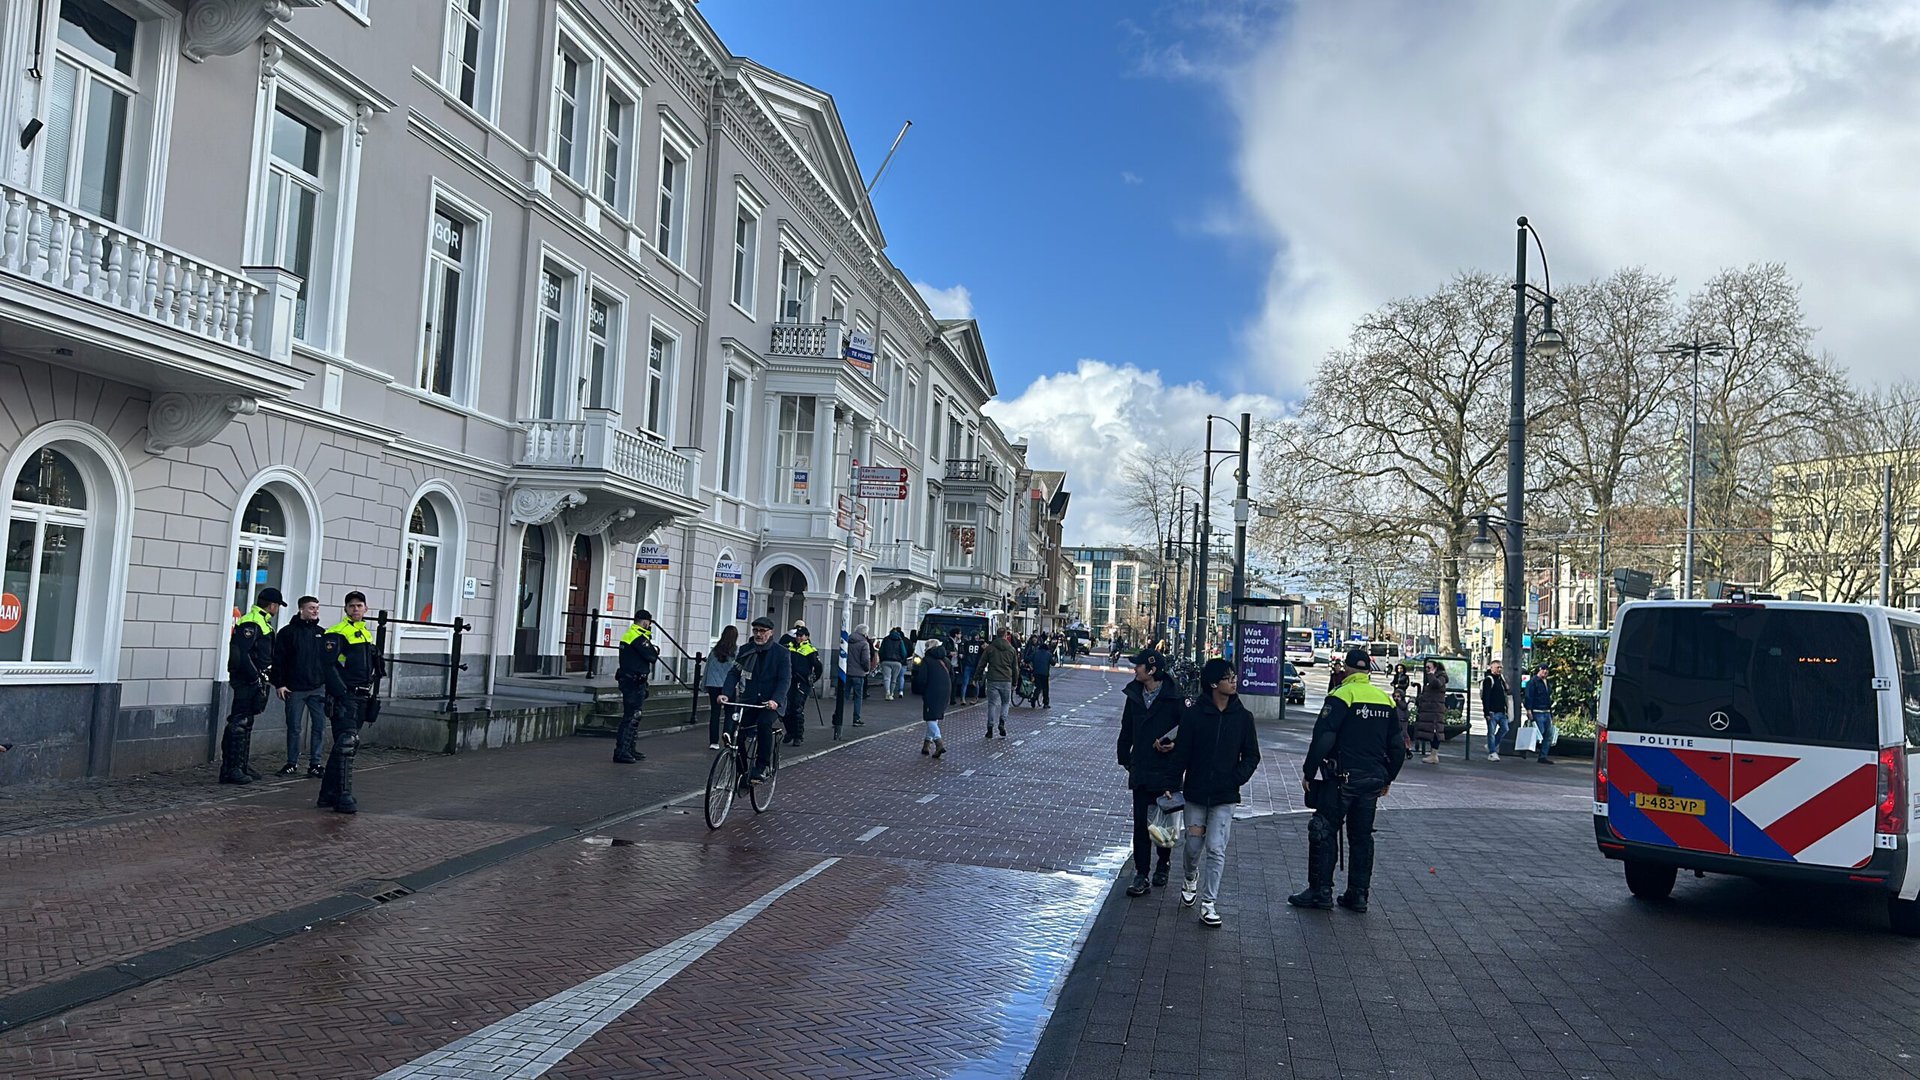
{"points": [[975, 476], [602, 474], [110, 301], [906, 560]]}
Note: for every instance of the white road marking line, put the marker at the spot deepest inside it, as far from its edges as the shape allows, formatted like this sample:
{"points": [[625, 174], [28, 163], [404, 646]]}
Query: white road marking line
{"points": [[969, 772], [924, 799], [998, 755], [559, 1025], [1017, 742], [870, 834]]}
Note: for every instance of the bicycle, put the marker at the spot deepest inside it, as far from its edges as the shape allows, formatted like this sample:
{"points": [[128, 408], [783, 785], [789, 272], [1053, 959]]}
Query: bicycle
{"points": [[733, 766]]}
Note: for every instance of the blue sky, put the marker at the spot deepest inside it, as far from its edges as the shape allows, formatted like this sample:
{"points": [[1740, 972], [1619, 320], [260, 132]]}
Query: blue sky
{"points": [[1074, 196], [1299, 163]]}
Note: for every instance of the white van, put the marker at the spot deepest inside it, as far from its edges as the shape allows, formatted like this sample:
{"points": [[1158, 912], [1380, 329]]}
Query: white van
{"points": [[1767, 740]]}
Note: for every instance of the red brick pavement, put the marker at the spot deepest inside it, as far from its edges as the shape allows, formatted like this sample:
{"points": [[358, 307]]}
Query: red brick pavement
{"points": [[882, 966]]}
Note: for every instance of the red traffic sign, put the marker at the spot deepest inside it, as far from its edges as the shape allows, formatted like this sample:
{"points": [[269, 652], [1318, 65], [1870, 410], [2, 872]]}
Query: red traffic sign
{"points": [[882, 491], [879, 474]]}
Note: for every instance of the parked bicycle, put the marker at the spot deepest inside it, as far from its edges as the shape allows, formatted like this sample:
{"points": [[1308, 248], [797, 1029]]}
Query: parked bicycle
{"points": [[733, 767]]}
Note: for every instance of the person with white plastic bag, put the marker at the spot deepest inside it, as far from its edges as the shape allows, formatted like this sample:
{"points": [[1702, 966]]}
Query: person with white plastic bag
{"points": [[1148, 728]]}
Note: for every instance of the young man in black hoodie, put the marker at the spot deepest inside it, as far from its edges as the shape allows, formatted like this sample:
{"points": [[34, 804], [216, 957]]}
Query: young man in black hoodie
{"points": [[299, 653], [1147, 729], [1217, 751]]}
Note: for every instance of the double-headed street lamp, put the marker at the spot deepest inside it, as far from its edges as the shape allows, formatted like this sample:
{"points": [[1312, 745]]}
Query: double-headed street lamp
{"points": [[1240, 515], [1694, 349], [1548, 344]]}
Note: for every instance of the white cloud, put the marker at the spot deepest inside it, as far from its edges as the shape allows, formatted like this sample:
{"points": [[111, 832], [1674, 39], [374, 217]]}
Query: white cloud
{"points": [[954, 303], [1387, 143], [1131, 178], [1086, 421]]}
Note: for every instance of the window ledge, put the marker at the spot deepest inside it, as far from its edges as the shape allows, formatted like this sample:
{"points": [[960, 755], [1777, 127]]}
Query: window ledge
{"points": [[450, 405], [468, 111], [735, 304], [61, 672], [302, 349]]}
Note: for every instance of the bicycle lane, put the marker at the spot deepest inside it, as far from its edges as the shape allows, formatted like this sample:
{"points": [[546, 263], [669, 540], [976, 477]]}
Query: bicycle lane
{"points": [[931, 948]]}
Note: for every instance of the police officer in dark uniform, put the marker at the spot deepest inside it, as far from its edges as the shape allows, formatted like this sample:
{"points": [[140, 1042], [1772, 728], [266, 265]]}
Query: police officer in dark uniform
{"points": [[638, 654], [1359, 744], [807, 670], [353, 669], [249, 659]]}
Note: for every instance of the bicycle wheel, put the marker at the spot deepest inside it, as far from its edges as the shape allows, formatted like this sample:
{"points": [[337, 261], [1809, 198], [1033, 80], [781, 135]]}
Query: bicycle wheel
{"points": [[763, 791], [722, 779]]}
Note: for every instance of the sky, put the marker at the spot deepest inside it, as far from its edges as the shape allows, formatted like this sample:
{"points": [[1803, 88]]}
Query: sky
{"points": [[1159, 209]]}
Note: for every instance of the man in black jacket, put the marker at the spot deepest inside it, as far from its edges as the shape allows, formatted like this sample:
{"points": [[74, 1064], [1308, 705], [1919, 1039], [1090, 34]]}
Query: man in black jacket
{"points": [[762, 672], [1147, 728], [1217, 751], [1359, 744], [300, 675], [1493, 705], [638, 654]]}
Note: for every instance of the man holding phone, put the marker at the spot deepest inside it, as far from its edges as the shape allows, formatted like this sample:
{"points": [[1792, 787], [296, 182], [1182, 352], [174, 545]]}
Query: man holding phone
{"points": [[1149, 724]]}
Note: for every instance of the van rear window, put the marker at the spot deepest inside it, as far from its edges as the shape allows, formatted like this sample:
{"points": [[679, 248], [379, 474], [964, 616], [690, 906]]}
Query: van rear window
{"points": [[1746, 673]]}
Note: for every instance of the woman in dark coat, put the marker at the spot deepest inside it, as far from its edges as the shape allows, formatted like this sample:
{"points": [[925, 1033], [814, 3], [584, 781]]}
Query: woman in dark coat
{"points": [[934, 696], [1430, 717], [1152, 710]]}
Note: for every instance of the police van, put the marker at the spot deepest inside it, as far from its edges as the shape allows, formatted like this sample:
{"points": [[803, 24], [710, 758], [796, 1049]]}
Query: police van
{"points": [[1764, 739]]}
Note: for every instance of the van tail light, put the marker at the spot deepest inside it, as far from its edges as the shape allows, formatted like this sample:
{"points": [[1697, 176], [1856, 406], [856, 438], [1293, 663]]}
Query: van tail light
{"points": [[1890, 808], [1600, 764]]}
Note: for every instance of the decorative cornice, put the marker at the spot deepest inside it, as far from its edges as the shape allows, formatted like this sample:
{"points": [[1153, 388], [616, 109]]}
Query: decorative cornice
{"points": [[594, 518], [537, 506], [188, 420], [644, 523], [224, 27]]}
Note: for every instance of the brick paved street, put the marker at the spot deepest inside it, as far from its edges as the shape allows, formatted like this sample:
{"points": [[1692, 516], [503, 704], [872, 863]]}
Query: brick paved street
{"points": [[932, 918]]}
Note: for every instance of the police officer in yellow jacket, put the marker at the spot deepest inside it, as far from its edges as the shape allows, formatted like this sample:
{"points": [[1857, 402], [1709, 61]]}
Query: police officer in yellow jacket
{"points": [[807, 670], [638, 654], [353, 669], [1359, 744], [249, 656]]}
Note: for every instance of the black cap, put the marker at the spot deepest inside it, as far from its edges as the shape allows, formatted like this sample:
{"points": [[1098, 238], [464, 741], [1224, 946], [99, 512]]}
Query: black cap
{"points": [[801, 631], [1358, 659], [1147, 657], [643, 615], [763, 623], [271, 595]]}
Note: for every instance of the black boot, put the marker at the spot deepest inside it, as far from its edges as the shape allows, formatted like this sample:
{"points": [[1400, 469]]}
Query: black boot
{"points": [[232, 764], [623, 751], [1319, 890], [1160, 869], [343, 797], [246, 751], [1354, 900]]}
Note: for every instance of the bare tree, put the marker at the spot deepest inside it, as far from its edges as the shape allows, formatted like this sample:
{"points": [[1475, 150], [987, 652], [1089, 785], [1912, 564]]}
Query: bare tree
{"points": [[1408, 420], [1827, 511], [1763, 402]]}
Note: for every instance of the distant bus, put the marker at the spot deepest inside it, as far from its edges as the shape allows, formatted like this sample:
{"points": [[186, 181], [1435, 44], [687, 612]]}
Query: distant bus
{"points": [[1384, 653], [1300, 646]]}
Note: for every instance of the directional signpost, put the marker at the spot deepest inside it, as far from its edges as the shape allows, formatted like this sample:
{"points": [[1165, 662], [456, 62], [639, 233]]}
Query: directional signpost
{"points": [[880, 482]]}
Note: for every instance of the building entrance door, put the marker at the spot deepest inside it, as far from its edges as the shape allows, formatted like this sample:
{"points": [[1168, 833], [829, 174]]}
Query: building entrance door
{"points": [[579, 602], [530, 600]]}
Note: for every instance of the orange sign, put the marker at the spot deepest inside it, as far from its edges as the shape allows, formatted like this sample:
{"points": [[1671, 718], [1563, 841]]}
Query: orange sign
{"points": [[9, 612]]}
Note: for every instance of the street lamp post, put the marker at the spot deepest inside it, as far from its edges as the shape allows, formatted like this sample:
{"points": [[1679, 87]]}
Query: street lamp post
{"points": [[1547, 345], [1693, 349], [1239, 512]]}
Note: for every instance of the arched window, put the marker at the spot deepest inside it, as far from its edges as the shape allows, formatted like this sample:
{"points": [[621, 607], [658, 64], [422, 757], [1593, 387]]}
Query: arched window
{"points": [[420, 569], [48, 524], [262, 556], [725, 597]]}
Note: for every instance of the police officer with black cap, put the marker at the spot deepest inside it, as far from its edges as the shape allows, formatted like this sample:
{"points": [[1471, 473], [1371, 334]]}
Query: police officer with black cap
{"points": [[1359, 744], [353, 669], [249, 658], [638, 654], [807, 670]]}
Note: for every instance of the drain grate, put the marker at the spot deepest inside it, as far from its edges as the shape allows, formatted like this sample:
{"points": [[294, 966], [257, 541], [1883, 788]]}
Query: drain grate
{"points": [[382, 892]]}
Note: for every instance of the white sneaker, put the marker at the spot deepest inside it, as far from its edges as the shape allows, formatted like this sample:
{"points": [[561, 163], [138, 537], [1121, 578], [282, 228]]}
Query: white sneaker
{"points": [[1189, 889], [1493, 757], [1208, 915], [713, 746]]}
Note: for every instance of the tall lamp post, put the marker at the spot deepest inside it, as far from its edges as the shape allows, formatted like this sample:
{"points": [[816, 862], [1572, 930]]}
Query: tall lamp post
{"points": [[1694, 349], [1548, 345], [1240, 511]]}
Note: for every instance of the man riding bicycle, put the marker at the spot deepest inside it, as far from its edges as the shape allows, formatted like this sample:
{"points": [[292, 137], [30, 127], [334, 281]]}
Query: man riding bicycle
{"points": [[761, 675]]}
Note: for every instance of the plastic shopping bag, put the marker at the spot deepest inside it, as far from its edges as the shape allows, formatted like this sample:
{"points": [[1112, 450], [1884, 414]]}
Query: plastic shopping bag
{"points": [[1526, 737], [1163, 826]]}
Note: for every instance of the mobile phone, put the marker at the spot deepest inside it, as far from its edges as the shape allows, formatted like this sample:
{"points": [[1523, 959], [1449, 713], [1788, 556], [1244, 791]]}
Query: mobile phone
{"points": [[1169, 736]]}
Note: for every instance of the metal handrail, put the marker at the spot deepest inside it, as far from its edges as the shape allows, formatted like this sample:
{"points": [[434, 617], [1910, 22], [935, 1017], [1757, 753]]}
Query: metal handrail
{"points": [[453, 665]]}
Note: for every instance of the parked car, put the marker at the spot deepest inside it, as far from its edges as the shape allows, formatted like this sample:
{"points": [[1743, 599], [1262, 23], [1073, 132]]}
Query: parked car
{"points": [[1323, 654], [1296, 687]]}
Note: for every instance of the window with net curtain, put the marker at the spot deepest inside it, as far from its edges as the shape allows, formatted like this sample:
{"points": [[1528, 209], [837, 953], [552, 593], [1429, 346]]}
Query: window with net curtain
{"points": [[47, 525]]}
